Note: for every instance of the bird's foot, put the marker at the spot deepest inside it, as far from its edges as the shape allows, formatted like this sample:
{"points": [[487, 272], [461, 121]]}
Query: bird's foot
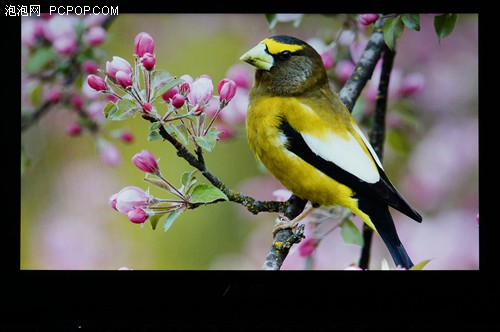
{"points": [[283, 222]]}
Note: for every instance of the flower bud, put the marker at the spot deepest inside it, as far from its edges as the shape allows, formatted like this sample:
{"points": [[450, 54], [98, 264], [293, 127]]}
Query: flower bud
{"points": [[344, 69], [367, 19], [130, 198], [127, 137], [147, 107], [148, 61], [76, 101], [97, 83], [118, 64], [137, 216], [143, 43], [412, 84], [74, 129], [124, 79], [112, 200], [54, 95], [64, 45], [90, 66], [145, 161], [95, 35], [178, 100], [167, 96], [226, 89], [108, 153]]}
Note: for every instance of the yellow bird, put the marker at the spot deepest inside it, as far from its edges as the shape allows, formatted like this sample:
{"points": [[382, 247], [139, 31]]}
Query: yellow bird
{"points": [[305, 136]]}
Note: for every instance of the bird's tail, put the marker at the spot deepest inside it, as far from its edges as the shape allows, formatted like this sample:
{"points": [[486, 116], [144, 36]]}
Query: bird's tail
{"points": [[382, 219]]}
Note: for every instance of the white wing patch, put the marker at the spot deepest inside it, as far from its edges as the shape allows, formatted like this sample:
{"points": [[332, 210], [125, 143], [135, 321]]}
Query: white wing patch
{"points": [[345, 153], [368, 145]]}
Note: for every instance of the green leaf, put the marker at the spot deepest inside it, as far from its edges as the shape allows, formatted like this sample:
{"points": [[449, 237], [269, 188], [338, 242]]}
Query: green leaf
{"points": [[411, 21], [272, 20], [208, 141], [398, 140], [393, 28], [350, 233], [40, 59], [180, 132], [188, 180], [154, 136], [154, 126], [420, 265], [36, 94], [158, 183], [108, 108], [125, 108], [171, 218], [166, 86], [444, 24], [155, 219], [206, 193]]}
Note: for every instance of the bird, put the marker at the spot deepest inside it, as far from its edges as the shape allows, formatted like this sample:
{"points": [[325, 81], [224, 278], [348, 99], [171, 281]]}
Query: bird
{"points": [[304, 135]]}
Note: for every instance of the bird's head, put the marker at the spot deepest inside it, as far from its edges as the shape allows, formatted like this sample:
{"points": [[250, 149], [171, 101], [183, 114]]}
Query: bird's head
{"points": [[286, 65]]}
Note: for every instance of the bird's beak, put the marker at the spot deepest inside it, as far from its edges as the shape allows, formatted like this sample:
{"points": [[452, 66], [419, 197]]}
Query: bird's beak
{"points": [[258, 57]]}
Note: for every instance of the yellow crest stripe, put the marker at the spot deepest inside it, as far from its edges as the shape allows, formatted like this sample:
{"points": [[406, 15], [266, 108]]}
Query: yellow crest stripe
{"points": [[275, 47]]}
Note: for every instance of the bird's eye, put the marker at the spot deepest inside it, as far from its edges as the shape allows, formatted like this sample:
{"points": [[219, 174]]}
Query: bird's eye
{"points": [[285, 55]]}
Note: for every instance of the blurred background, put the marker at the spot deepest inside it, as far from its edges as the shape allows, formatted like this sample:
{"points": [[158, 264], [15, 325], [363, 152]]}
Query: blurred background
{"points": [[431, 155]]}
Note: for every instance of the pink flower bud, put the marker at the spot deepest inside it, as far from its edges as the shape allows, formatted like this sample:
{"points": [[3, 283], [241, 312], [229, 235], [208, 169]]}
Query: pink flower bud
{"points": [[90, 66], [137, 216], [112, 98], [95, 35], [64, 45], [178, 100], [148, 61], [127, 137], [307, 247], [143, 43], [167, 96], [74, 129], [412, 84], [112, 200], [327, 58], [76, 101], [226, 89], [124, 79], [198, 110], [147, 107], [130, 198], [145, 161], [367, 19], [118, 64], [201, 90], [54, 95], [186, 85], [97, 83]]}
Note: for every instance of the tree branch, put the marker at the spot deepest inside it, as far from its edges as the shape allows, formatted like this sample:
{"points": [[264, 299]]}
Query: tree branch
{"points": [[377, 136]]}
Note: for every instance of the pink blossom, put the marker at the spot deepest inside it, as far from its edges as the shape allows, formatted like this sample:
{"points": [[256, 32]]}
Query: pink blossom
{"points": [[90, 66], [130, 198], [367, 19], [226, 89], [123, 78], [143, 43], [118, 64], [76, 101], [95, 35], [147, 107], [64, 45], [97, 83], [186, 85], [58, 26], [148, 61], [225, 131], [235, 112], [241, 75], [94, 110], [112, 200], [412, 84], [344, 69], [137, 216], [74, 129], [54, 95], [145, 161], [108, 153], [201, 90]]}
